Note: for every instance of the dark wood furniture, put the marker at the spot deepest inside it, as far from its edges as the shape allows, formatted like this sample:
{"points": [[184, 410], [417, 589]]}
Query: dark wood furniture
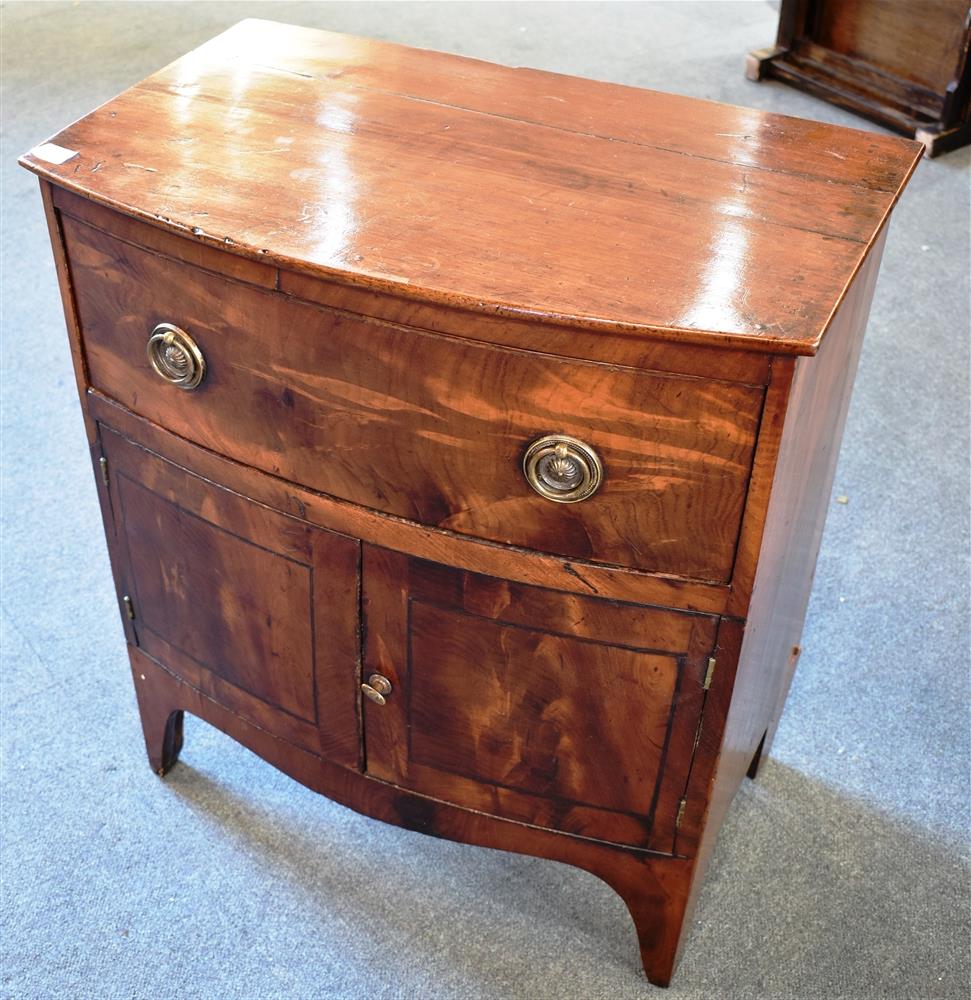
{"points": [[900, 63], [464, 435]]}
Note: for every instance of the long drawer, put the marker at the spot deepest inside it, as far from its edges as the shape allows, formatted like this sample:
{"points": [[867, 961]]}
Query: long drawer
{"points": [[420, 425]]}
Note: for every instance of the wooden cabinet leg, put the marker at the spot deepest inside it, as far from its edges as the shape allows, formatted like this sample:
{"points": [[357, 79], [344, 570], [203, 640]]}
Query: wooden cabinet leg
{"points": [[161, 720], [784, 683], [756, 762], [656, 892]]}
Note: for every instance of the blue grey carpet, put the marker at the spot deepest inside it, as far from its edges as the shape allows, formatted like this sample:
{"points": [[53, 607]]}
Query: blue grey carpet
{"points": [[843, 872]]}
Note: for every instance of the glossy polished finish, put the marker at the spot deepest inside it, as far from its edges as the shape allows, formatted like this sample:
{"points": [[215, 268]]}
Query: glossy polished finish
{"points": [[417, 298], [522, 703], [288, 382], [647, 212]]}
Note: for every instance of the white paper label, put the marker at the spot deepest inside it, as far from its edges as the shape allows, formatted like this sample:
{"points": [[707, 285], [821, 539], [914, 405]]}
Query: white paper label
{"points": [[50, 152]]}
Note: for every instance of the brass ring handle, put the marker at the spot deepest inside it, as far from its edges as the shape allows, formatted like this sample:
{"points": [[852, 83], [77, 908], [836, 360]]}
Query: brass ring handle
{"points": [[562, 469], [376, 689], [175, 356]]}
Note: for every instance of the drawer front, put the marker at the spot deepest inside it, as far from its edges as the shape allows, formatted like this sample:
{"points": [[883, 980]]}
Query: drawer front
{"points": [[558, 710], [420, 425], [256, 609]]}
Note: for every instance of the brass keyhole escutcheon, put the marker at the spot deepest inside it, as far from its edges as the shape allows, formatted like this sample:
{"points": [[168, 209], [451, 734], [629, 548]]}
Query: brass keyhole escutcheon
{"points": [[563, 469], [376, 688], [175, 356]]}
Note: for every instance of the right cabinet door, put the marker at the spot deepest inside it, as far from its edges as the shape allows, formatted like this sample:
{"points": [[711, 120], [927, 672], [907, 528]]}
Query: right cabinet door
{"points": [[559, 710]]}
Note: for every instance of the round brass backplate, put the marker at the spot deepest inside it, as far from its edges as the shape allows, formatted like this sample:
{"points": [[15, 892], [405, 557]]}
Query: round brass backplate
{"points": [[563, 469], [175, 356]]}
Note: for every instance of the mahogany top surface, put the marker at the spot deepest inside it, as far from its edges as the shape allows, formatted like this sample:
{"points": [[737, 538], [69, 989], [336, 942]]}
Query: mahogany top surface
{"points": [[509, 191]]}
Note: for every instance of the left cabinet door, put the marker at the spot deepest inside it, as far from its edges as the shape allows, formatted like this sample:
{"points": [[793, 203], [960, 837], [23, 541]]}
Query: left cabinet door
{"points": [[256, 609]]}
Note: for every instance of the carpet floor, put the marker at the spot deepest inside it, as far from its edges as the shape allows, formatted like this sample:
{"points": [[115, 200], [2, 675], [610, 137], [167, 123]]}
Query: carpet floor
{"points": [[842, 872]]}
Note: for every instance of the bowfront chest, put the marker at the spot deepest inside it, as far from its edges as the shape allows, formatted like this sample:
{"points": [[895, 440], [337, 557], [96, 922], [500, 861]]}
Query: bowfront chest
{"points": [[464, 435]]}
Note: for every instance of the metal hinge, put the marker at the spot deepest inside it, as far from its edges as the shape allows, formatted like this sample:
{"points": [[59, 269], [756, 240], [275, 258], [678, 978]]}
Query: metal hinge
{"points": [[103, 462], [129, 607], [709, 673], [680, 816]]}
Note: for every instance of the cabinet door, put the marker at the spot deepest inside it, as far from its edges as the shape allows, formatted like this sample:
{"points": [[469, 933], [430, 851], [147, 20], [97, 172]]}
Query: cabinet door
{"points": [[256, 609], [559, 710]]}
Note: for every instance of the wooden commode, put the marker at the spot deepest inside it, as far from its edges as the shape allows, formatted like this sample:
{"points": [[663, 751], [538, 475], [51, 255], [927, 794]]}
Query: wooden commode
{"points": [[464, 435]]}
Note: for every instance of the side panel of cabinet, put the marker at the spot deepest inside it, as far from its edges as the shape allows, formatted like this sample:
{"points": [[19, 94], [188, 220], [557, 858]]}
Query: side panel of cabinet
{"points": [[256, 609], [559, 710]]}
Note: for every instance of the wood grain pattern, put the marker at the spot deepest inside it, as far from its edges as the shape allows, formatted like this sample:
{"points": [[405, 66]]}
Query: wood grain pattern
{"points": [[654, 888], [757, 663], [186, 575], [917, 44], [250, 604], [795, 517], [477, 556], [610, 347], [560, 711], [906, 66], [288, 385], [500, 191], [402, 267]]}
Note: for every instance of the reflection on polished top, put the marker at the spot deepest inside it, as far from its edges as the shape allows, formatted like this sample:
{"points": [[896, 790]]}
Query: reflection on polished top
{"points": [[508, 191]]}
